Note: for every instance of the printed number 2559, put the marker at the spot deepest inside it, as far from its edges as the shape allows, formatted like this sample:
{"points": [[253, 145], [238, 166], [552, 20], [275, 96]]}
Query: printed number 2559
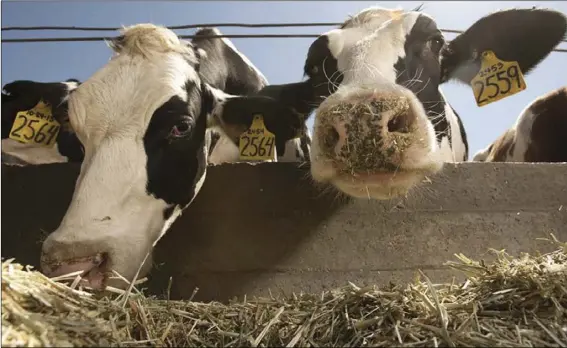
{"points": [[511, 72]]}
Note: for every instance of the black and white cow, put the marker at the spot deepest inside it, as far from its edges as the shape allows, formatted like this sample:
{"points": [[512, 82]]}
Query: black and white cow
{"points": [[539, 134], [23, 95], [143, 121], [143, 117], [388, 124], [382, 122], [227, 69]]}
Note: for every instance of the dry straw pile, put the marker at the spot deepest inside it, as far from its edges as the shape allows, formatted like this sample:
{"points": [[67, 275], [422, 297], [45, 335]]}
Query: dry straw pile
{"points": [[511, 302]]}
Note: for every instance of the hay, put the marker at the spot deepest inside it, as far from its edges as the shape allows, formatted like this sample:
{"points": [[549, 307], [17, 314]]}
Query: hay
{"points": [[511, 302], [366, 148]]}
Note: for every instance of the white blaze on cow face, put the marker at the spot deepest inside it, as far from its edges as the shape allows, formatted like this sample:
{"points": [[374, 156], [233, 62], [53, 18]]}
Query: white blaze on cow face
{"points": [[372, 137], [142, 121]]}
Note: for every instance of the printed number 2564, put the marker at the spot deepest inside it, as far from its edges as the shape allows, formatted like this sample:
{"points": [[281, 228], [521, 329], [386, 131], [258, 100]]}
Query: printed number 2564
{"points": [[43, 134], [260, 146], [495, 81]]}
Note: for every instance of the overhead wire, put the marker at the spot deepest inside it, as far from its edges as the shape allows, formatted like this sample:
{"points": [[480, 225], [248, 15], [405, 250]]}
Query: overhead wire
{"points": [[187, 26]]}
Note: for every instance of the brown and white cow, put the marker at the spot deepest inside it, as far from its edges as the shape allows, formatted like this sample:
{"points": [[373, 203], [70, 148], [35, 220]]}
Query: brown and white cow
{"points": [[539, 134]]}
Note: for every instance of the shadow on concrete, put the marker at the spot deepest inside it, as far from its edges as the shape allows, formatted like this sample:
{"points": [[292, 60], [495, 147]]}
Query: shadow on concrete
{"points": [[246, 220]]}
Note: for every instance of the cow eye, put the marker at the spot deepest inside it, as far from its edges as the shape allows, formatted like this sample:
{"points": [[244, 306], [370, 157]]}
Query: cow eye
{"points": [[436, 43], [182, 128]]}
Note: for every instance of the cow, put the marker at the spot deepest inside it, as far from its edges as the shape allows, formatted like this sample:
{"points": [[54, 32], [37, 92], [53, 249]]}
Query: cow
{"points": [[227, 69], [142, 119], [382, 123], [146, 153], [23, 95], [539, 134]]}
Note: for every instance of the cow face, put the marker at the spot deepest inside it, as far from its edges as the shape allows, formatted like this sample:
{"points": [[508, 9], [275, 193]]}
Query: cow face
{"points": [[387, 125], [142, 119]]}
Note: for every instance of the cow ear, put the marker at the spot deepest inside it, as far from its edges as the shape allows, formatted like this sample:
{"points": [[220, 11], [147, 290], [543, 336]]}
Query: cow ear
{"points": [[116, 43], [234, 116], [526, 36]]}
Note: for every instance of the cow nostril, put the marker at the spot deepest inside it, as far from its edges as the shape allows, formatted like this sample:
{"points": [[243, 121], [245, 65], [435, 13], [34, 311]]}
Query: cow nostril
{"points": [[331, 138], [400, 123]]}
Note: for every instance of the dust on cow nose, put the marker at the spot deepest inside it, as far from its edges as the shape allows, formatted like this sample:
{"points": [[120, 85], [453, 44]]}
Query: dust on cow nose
{"points": [[368, 132], [331, 137], [401, 122]]}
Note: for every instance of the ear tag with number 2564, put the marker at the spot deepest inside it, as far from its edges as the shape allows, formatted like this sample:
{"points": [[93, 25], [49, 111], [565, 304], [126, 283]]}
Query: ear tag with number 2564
{"points": [[496, 79], [257, 143], [37, 126]]}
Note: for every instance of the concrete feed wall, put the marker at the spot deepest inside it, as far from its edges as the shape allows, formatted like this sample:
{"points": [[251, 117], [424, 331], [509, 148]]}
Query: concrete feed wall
{"points": [[256, 229]]}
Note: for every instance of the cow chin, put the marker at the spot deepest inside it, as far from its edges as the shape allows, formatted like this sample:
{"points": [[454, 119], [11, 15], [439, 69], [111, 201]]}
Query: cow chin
{"points": [[379, 185], [110, 252]]}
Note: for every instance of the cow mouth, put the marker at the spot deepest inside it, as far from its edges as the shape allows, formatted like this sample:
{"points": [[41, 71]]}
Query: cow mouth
{"points": [[376, 177], [94, 270], [382, 185]]}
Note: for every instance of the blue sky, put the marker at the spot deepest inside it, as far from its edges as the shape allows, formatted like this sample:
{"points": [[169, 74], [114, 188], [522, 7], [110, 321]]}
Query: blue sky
{"points": [[281, 60]]}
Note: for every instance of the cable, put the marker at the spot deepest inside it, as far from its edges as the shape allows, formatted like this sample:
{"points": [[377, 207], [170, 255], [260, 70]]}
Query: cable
{"points": [[101, 38], [195, 26], [179, 27], [229, 36]]}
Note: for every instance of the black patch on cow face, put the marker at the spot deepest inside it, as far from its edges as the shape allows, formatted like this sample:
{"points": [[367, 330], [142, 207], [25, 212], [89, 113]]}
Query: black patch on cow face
{"points": [[419, 71], [320, 67], [175, 163]]}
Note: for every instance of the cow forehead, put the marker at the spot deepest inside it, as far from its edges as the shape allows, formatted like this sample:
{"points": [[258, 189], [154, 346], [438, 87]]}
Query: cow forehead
{"points": [[372, 29], [369, 52], [374, 17], [124, 94]]}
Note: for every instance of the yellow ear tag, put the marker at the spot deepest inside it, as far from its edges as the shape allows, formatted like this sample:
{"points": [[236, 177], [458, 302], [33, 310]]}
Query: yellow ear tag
{"points": [[496, 79], [257, 143], [37, 126]]}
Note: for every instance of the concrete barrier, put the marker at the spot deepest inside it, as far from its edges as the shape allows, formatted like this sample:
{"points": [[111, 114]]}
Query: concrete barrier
{"points": [[264, 228]]}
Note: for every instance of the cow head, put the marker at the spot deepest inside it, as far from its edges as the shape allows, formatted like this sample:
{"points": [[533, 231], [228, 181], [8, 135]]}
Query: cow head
{"points": [[387, 125], [142, 119]]}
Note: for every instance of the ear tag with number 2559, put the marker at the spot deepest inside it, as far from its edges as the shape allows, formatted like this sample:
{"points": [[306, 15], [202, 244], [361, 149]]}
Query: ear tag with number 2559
{"points": [[37, 126], [257, 143], [496, 79]]}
